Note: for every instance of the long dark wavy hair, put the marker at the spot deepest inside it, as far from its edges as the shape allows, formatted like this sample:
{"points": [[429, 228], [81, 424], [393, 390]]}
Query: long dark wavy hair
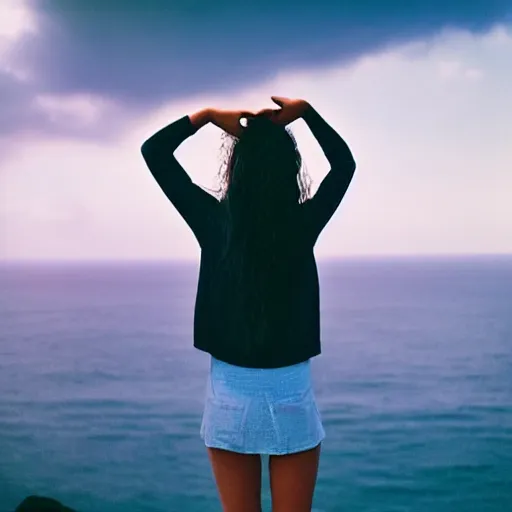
{"points": [[264, 159], [262, 182]]}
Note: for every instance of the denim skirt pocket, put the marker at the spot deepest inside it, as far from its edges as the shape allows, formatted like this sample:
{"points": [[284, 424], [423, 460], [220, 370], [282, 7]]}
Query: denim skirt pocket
{"points": [[298, 423], [223, 423]]}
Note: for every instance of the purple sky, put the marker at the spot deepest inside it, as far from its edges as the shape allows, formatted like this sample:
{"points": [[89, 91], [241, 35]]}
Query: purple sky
{"points": [[419, 92]]}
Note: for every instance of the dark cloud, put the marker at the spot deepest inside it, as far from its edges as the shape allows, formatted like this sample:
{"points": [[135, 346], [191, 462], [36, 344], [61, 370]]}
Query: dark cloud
{"points": [[142, 53], [21, 111]]}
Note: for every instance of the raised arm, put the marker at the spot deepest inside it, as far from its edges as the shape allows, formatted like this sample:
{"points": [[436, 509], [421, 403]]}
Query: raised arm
{"points": [[321, 207], [193, 203]]}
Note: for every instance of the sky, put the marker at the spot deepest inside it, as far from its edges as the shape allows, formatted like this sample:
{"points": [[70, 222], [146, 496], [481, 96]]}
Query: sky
{"points": [[418, 91]]}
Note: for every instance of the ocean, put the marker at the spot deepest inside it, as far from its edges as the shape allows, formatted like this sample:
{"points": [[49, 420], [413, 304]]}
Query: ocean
{"points": [[101, 390]]}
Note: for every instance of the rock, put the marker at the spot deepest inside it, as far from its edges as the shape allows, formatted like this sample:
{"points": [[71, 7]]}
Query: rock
{"points": [[41, 504]]}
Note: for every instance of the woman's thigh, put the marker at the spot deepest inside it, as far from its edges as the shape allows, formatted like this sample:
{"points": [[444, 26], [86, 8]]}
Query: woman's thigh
{"points": [[238, 479], [293, 480]]}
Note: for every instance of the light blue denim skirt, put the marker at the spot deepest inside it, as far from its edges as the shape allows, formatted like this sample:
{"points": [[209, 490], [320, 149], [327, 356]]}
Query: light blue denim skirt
{"points": [[263, 411]]}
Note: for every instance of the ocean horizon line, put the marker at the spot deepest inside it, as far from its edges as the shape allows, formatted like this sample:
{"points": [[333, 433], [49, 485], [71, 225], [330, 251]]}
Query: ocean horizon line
{"points": [[319, 259]]}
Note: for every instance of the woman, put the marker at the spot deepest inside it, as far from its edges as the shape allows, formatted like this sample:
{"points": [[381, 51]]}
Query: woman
{"points": [[257, 305]]}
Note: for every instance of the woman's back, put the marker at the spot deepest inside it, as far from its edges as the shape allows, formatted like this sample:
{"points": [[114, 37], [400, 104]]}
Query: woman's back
{"points": [[257, 302], [257, 299]]}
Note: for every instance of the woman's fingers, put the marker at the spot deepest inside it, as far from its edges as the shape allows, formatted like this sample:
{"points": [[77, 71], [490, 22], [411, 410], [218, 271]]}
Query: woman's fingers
{"points": [[268, 112], [279, 100]]}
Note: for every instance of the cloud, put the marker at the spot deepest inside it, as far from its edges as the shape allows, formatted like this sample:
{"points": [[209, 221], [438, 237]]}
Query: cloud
{"points": [[15, 19], [432, 145], [138, 55]]}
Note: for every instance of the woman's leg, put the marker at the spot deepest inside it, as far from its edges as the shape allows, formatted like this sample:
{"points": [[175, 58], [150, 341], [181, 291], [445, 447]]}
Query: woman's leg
{"points": [[238, 478], [293, 480]]}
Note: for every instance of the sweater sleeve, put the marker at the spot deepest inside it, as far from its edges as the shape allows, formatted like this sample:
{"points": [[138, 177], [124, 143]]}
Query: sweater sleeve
{"points": [[321, 207], [194, 204]]}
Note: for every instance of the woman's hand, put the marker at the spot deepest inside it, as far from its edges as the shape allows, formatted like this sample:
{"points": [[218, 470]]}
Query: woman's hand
{"points": [[229, 120], [290, 110]]}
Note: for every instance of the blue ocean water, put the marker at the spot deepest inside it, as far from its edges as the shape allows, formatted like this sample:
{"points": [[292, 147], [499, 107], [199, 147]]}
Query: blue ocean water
{"points": [[101, 390]]}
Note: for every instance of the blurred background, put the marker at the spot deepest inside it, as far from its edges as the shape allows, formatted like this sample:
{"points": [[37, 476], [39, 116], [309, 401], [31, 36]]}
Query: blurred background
{"points": [[100, 388]]}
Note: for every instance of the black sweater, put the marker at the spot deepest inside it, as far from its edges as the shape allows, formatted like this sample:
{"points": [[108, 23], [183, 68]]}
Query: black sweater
{"points": [[293, 335]]}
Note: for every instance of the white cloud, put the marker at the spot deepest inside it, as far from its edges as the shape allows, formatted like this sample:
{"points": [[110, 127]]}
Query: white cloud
{"points": [[75, 110], [457, 70], [428, 124], [16, 21]]}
